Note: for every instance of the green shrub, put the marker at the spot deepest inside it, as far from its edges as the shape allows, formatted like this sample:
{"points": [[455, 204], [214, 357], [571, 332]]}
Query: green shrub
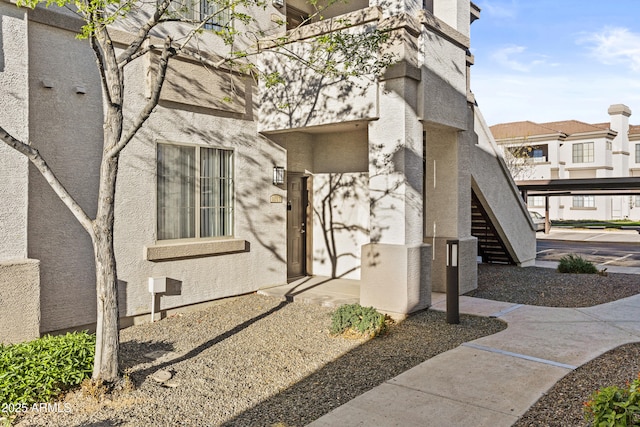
{"points": [[39, 370], [576, 264], [366, 321], [614, 406]]}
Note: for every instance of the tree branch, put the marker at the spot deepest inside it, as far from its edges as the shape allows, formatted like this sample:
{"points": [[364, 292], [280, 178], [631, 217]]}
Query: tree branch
{"points": [[36, 159], [167, 53], [100, 62], [128, 54]]}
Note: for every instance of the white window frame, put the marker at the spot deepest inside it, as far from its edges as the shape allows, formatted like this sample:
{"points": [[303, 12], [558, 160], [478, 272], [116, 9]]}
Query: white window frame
{"points": [[583, 152], [196, 10], [197, 206], [222, 18], [583, 202], [535, 201]]}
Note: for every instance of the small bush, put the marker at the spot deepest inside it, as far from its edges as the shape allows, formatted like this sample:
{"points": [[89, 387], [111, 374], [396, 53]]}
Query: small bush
{"points": [[614, 406], [366, 321], [39, 370], [576, 264]]}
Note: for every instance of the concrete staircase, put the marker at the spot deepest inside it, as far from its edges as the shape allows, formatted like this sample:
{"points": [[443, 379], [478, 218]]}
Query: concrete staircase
{"points": [[490, 245], [500, 219]]}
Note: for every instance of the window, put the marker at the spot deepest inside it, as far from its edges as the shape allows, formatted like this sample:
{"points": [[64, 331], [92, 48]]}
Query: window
{"points": [[296, 17], [583, 152], [637, 153], [219, 10], [195, 192], [609, 145], [530, 153], [535, 201], [584, 202], [196, 10]]}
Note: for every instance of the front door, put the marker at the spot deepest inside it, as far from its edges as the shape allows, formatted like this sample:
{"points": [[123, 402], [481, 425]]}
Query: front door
{"points": [[296, 225]]}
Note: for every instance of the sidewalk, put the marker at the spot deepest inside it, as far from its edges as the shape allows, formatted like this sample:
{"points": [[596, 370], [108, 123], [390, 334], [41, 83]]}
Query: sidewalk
{"points": [[494, 380]]}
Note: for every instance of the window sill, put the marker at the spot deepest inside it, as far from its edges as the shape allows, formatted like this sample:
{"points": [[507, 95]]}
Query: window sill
{"points": [[576, 208], [182, 250]]}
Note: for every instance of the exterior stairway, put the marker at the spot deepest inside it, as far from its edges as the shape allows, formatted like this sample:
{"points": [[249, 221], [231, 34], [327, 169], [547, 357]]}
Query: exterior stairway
{"points": [[500, 219], [490, 245]]}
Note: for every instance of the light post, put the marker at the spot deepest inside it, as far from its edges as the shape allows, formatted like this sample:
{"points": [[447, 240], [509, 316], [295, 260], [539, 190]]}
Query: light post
{"points": [[453, 304]]}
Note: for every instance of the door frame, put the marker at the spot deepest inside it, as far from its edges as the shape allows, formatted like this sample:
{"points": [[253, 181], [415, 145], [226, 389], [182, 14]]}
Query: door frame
{"points": [[305, 212]]}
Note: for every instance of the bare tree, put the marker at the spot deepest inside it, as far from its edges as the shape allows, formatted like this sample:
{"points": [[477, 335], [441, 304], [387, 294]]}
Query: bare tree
{"points": [[519, 158], [147, 27]]}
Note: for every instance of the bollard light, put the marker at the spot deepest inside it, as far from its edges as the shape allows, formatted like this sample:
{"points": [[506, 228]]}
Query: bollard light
{"points": [[453, 287]]}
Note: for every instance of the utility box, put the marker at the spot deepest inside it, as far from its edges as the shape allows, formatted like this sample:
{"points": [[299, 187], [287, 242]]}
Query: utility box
{"points": [[157, 285]]}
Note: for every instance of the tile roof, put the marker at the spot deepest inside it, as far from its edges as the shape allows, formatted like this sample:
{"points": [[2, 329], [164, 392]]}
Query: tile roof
{"points": [[522, 129], [566, 127], [572, 126]]}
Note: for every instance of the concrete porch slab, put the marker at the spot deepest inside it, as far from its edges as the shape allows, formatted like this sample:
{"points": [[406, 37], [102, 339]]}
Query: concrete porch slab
{"points": [[319, 290]]}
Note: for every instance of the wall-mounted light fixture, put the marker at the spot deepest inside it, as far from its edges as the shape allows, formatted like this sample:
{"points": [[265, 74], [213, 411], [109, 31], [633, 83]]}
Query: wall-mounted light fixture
{"points": [[277, 3], [278, 175]]}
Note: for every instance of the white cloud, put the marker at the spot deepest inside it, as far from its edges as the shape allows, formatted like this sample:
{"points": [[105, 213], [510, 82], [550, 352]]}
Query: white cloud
{"points": [[615, 46], [514, 58]]}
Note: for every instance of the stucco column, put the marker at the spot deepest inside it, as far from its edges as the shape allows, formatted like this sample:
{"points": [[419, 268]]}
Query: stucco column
{"points": [[448, 207], [395, 273], [14, 167], [19, 276]]}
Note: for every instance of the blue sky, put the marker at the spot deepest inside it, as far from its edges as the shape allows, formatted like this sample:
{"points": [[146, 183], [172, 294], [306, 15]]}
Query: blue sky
{"points": [[550, 60]]}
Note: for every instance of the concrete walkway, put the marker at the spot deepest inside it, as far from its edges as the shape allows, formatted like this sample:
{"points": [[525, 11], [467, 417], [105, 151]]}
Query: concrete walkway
{"points": [[493, 380]]}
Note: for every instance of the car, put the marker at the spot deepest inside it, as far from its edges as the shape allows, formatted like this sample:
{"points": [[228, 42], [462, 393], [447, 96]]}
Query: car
{"points": [[538, 220]]}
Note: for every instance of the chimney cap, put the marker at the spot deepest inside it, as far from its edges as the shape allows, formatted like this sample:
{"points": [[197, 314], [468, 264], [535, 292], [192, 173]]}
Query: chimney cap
{"points": [[616, 109]]}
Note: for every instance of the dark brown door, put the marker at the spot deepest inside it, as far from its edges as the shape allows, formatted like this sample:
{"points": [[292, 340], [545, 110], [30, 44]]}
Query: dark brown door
{"points": [[296, 225]]}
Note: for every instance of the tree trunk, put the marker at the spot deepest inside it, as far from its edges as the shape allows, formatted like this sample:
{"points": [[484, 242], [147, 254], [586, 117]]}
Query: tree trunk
{"points": [[105, 366]]}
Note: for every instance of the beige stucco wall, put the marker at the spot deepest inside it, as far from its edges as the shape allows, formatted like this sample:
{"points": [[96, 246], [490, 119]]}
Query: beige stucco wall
{"points": [[20, 301], [14, 103], [308, 98], [257, 221], [443, 99], [341, 223], [66, 127]]}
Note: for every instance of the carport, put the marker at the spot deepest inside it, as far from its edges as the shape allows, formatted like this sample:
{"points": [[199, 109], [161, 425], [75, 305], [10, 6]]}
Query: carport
{"points": [[577, 187]]}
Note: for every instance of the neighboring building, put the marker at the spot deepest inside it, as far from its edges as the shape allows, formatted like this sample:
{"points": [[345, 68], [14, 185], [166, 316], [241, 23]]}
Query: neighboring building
{"points": [[572, 149], [379, 174]]}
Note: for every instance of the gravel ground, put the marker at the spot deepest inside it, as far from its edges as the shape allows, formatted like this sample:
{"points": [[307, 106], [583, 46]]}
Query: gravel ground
{"points": [[546, 287], [257, 361]]}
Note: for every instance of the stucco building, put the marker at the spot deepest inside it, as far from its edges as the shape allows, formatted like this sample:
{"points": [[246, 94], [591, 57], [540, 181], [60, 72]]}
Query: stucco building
{"points": [[378, 173], [572, 149]]}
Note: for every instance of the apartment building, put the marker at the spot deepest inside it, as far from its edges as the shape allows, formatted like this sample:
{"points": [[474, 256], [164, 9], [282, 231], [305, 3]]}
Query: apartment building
{"points": [[572, 149], [365, 179]]}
